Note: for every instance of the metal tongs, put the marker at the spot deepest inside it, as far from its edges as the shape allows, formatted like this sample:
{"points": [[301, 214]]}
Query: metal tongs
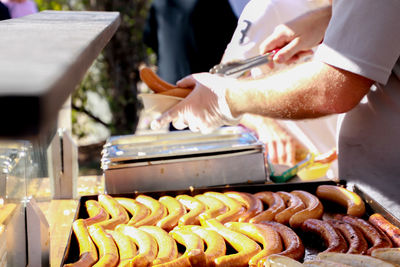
{"points": [[237, 68]]}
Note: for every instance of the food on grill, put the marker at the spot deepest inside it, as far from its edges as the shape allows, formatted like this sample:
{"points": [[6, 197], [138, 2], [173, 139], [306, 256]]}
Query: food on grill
{"points": [[175, 211], [136, 209], [324, 263], [245, 247], [293, 204], [178, 92], [96, 212], [334, 241], [355, 205], [194, 207], [167, 248], [147, 245], [354, 237], [262, 234], [117, 212], [275, 204], [235, 208], [153, 81], [194, 245], [156, 227], [126, 248], [280, 261], [293, 246], [389, 229], [354, 259], [157, 210], [215, 243], [373, 235], [313, 210], [108, 251], [214, 206], [387, 254], [87, 250], [253, 205]]}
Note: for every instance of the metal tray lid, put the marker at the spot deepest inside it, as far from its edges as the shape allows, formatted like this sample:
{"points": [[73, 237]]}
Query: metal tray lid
{"points": [[182, 143]]}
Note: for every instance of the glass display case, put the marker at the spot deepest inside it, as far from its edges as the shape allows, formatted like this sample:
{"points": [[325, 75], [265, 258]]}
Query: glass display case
{"points": [[50, 53]]}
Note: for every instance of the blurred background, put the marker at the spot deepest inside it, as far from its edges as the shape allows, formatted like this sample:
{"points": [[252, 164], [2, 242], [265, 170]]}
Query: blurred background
{"points": [[106, 101]]}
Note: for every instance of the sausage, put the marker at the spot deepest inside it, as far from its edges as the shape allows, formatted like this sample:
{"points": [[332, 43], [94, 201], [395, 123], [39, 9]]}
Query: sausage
{"points": [[195, 208], [355, 205], [87, 250], [138, 210], [214, 206], [253, 205], [313, 210], [126, 247], [387, 254], [376, 238], [178, 92], [175, 211], [276, 260], [294, 247], [235, 208], [246, 247], [354, 260], [263, 234], [96, 212], [324, 263], [353, 236], [157, 210], [215, 243], [108, 251], [333, 240], [389, 229], [293, 204], [167, 248], [194, 249], [153, 81], [146, 244], [275, 204], [117, 212]]}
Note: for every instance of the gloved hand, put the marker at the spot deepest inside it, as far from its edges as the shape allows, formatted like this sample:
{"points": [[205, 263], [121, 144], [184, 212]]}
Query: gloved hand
{"points": [[297, 37], [204, 109]]}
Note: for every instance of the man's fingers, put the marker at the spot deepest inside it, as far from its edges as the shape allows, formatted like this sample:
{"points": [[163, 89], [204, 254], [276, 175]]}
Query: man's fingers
{"points": [[288, 51], [299, 55], [279, 38], [187, 82]]}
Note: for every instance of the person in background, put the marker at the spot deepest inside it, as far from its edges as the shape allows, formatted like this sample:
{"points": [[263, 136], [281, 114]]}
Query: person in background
{"points": [[284, 139], [189, 36], [20, 8], [346, 75], [4, 12]]}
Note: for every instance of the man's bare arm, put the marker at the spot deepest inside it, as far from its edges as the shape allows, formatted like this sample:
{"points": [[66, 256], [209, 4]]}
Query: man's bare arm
{"points": [[308, 90]]}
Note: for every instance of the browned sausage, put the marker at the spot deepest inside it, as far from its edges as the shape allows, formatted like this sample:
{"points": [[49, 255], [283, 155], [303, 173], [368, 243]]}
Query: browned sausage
{"points": [[294, 247], [376, 238], [293, 204], [333, 240], [275, 204], [392, 231], [353, 236]]}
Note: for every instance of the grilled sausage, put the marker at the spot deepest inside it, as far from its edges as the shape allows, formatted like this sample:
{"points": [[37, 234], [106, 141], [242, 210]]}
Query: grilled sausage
{"points": [[175, 211], [333, 240], [138, 210], [388, 228], [117, 212], [96, 212], [293, 204], [275, 204], [313, 210], [252, 204], [355, 205], [353, 236]]}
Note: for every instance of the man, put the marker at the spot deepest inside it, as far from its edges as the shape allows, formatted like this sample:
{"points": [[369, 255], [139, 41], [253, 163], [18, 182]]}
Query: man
{"points": [[360, 49]]}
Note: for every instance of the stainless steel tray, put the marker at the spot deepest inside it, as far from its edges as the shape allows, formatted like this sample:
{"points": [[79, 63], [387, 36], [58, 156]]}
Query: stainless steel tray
{"points": [[180, 160]]}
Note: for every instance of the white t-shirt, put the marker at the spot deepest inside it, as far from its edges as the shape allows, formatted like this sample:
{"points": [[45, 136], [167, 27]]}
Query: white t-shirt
{"points": [[363, 37], [257, 21]]}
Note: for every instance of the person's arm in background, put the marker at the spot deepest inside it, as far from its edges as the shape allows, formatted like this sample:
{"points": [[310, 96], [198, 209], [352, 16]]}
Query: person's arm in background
{"points": [[308, 90]]}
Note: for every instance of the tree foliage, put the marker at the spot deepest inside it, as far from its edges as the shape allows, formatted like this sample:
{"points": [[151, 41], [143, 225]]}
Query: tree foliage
{"points": [[115, 74]]}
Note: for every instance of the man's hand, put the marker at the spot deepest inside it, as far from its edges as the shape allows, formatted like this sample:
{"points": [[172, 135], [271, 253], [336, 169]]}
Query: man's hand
{"points": [[297, 37], [204, 109]]}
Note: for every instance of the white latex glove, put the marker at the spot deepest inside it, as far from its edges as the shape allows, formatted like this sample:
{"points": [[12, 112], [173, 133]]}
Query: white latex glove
{"points": [[204, 109], [297, 37]]}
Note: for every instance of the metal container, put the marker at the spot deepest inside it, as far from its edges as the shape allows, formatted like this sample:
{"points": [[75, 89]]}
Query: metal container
{"points": [[180, 160]]}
